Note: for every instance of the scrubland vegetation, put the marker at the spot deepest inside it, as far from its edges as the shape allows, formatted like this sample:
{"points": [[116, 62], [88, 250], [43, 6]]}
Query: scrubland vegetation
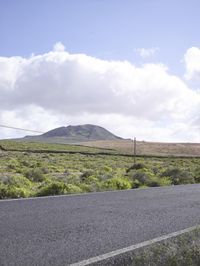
{"points": [[30, 174], [182, 250]]}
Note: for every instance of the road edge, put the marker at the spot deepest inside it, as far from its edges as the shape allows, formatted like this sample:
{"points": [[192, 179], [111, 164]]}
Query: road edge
{"points": [[96, 193], [106, 258]]}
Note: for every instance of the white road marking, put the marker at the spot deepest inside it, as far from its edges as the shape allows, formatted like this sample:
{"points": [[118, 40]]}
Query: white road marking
{"points": [[133, 247]]}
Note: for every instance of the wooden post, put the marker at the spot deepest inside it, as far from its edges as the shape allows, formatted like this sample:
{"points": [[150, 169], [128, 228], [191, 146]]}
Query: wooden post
{"points": [[135, 150]]}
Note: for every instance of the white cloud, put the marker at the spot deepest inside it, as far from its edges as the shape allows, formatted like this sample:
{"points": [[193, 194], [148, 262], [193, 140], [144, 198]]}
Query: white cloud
{"points": [[192, 63], [147, 52], [59, 47], [59, 88]]}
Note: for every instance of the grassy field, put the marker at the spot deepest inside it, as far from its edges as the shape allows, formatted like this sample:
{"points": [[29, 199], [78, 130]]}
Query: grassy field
{"points": [[149, 148], [27, 173], [37, 146]]}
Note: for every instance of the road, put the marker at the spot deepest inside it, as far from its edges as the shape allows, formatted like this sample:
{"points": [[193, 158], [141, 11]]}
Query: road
{"points": [[67, 229]]}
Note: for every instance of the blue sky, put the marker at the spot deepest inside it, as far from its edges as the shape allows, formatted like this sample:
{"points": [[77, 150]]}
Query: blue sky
{"points": [[109, 29], [154, 47]]}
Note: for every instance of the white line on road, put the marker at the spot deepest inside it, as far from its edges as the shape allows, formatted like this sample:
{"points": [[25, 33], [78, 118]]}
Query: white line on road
{"points": [[133, 247]]}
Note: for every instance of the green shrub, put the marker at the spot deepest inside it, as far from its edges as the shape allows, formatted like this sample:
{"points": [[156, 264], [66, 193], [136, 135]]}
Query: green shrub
{"points": [[117, 183], [147, 178], [55, 188], [12, 164], [25, 163], [107, 168], [155, 170], [12, 192], [165, 181], [178, 176], [92, 179], [142, 177], [84, 176], [15, 180], [153, 182], [44, 170], [135, 184], [197, 174], [58, 188], [136, 166], [86, 187], [105, 176], [35, 175], [72, 189]]}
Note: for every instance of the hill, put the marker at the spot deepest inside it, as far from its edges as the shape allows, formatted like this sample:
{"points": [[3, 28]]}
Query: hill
{"points": [[75, 134]]}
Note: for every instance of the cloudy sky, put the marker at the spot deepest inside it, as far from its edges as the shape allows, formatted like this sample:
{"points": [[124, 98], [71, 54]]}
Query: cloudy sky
{"points": [[131, 66]]}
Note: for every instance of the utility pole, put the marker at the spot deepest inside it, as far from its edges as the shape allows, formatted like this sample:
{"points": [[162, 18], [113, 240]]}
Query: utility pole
{"points": [[134, 150]]}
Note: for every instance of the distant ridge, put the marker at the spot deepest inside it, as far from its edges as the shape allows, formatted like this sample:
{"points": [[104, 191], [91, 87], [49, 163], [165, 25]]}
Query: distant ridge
{"points": [[75, 134]]}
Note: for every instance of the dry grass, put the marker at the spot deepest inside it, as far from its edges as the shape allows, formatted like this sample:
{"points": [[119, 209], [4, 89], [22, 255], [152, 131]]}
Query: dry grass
{"points": [[149, 148], [183, 250]]}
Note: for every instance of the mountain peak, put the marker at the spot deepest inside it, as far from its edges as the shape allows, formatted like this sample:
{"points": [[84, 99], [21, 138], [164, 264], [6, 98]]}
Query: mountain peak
{"points": [[79, 133]]}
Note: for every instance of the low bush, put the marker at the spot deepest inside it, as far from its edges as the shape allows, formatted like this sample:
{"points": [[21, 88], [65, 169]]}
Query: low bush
{"points": [[12, 164], [15, 180], [154, 182], [87, 188], [107, 168], [58, 188], [136, 166], [55, 188], [84, 176], [165, 181], [69, 188], [178, 176], [25, 163], [12, 192], [142, 177], [35, 175], [117, 183], [197, 174], [147, 178], [135, 184]]}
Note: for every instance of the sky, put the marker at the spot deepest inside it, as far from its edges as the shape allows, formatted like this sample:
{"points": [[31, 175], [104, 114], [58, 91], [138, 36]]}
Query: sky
{"points": [[131, 66]]}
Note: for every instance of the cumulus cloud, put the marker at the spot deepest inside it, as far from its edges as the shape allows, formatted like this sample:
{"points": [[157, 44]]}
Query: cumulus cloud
{"points": [[58, 88], [59, 47], [192, 63], [147, 52]]}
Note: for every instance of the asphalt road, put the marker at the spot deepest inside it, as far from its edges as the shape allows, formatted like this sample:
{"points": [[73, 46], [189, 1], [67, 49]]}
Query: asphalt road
{"points": [[64, 230]]}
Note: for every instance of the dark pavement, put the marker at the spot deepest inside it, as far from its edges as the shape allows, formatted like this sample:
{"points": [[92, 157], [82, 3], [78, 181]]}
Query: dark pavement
{"points": [[64, 230]]}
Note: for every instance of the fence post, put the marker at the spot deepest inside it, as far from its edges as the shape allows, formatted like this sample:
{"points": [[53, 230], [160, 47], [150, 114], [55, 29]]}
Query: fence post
{"points": [[134, 150]]}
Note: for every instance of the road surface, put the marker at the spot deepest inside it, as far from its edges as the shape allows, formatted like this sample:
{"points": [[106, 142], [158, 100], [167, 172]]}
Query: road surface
{"points": [[68, 229]]}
